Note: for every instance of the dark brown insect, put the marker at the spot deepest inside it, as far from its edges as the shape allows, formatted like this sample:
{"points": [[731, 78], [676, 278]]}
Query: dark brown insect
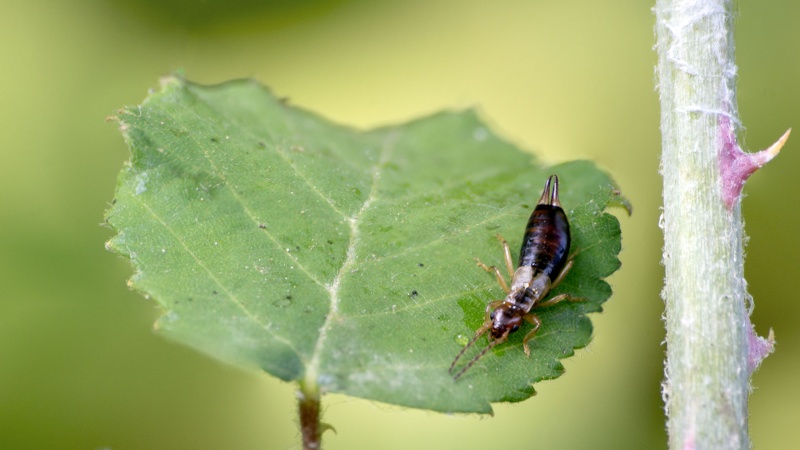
{"points": [[543, 263]]}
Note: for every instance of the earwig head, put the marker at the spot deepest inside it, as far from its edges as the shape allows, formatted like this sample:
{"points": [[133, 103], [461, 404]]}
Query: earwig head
{"points": [[550, 192], [506, 319]]}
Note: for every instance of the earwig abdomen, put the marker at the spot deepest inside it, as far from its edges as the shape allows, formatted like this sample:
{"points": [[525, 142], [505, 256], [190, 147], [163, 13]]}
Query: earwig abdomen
{"points": [[545, 245]]}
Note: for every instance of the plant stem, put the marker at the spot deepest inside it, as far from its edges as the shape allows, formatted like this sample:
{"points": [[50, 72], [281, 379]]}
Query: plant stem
{"points": [[707, 373], [309, 402]]}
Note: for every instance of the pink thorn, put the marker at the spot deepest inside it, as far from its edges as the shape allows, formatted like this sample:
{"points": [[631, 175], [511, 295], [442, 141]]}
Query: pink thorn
{"points": [[736, 166], [758, 347]]}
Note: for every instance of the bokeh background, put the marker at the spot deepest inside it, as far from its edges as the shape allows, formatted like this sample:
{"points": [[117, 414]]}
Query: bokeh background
{"points": [[80, 367]]}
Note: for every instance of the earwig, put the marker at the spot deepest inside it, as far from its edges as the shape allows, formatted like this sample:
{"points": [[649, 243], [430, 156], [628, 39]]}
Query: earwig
{"points": [[543, 263]]}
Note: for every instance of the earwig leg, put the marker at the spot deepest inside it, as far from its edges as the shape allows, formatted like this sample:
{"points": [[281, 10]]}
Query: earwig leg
{"points": [[497, 273], [534, 319], [507, 253], [562, 275], [559, 298]]}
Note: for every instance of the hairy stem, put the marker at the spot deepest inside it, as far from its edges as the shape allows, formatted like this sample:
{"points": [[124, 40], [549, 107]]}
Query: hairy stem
{"points": [[707, 374]]}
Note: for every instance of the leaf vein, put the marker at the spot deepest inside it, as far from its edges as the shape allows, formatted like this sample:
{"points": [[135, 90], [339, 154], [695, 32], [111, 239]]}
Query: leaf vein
{"points": [[333, 288], [246, 209], [229, 295], [443, 238]]}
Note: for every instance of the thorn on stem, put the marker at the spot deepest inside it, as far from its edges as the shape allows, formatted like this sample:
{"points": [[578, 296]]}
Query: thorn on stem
{"points": [[736, 165], [758, 348]]}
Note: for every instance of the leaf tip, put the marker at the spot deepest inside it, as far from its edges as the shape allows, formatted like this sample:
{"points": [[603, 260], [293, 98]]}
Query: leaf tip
{"points": [[619, 200], [171, 80]]}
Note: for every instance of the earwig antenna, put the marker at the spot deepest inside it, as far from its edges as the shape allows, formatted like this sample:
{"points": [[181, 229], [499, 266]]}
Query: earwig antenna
{"points": [[550, 197], [491, 345], [478, 334]]}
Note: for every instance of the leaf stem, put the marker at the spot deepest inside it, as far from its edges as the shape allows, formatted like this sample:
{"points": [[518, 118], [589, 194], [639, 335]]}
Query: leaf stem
{"points": [[707, 373], [308, 398]]}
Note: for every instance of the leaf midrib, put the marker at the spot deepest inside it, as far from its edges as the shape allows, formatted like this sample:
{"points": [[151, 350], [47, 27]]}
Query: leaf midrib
{"points": [[312, 368]]}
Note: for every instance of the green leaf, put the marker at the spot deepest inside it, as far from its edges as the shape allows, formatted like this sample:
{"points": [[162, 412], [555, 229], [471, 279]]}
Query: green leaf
{"points": [[273, 238]]}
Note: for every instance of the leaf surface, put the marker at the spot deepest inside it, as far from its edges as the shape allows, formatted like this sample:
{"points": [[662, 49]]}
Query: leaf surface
{"points": [[273, 238]]}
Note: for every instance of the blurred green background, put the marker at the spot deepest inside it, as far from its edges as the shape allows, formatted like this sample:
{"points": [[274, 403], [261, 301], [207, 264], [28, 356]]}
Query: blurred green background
{"points": [[80, 367]]}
